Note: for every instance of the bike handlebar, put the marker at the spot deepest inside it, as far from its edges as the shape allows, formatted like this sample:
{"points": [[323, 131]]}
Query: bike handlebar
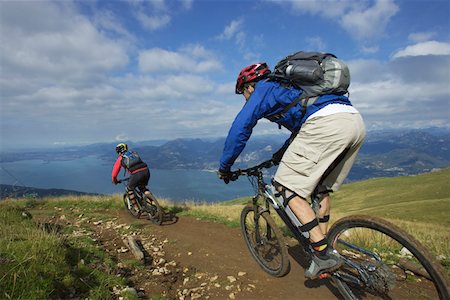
{"points": [[253, 171], [123, 180]]}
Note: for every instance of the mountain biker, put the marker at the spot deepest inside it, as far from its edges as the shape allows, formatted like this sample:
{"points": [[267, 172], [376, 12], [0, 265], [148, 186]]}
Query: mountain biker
{"points": [[330, 126], [138, 170]]}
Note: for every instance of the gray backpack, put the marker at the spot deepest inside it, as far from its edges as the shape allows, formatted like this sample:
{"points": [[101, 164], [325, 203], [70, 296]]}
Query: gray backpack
{"points": [[315, 73], [131, 159]]}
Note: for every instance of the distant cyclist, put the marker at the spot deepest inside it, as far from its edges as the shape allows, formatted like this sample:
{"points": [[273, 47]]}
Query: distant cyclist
{"points": [[330, 130], [138, 169]]}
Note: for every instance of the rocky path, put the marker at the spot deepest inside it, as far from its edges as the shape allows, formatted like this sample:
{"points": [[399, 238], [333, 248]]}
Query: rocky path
{"points": [[217, 265], [193, 259]]}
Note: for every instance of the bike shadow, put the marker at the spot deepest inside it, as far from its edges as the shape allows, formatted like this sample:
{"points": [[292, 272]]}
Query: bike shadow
{"points": [[169, 217], [303, 258]]}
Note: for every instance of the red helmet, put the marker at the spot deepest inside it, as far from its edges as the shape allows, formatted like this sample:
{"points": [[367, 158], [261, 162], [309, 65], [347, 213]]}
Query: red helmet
{"points": [[251, 73]]}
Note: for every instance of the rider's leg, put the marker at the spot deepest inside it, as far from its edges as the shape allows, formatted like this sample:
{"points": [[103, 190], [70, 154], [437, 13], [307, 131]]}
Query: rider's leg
{"points": [[325, 258], [320, 142], [305, 214], [132, 197], [307, 217], [146, 192], [324, 213], [144, 183]]}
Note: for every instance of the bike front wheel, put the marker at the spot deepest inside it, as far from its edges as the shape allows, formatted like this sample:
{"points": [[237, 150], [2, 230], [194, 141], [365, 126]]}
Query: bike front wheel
{"points": [[382, 260], [153, 209], [265, 241]]}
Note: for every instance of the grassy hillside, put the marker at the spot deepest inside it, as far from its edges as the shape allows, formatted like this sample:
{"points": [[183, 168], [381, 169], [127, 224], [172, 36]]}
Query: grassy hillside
{"points": [[38, 261], [421, 198], [44, 261]]}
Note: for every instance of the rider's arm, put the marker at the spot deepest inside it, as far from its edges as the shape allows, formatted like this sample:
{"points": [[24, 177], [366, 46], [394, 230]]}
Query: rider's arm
{"points": [[260, 104], [116, 169]]}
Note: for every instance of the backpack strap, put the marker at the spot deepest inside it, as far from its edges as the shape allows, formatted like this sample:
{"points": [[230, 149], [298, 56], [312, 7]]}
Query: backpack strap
{"points": [[304, 100]]}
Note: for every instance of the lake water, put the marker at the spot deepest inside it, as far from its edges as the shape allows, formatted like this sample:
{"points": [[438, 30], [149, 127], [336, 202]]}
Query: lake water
{"points": [[93, 175]]}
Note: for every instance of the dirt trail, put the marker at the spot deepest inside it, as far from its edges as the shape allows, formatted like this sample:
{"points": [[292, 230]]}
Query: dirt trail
{"points": [[218, 250], [188, 258]]}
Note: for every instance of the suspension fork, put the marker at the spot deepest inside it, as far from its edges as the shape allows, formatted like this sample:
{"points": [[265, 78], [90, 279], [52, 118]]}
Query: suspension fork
{"points": [[257, 212], [256, 219]]}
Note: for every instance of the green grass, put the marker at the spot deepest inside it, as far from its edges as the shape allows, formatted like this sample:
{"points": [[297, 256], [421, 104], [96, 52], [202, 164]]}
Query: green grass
{"points": [[90, 203], [47, 262], [421, 198], [23, 248], [43, 262]]}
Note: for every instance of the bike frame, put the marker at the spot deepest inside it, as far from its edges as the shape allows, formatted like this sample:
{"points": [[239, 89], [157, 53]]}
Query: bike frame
{"points": [[264, 191], [137, 193]]}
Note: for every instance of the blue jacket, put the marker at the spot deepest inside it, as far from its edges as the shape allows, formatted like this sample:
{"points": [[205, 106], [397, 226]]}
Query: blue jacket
{"points": [[268, 99]]}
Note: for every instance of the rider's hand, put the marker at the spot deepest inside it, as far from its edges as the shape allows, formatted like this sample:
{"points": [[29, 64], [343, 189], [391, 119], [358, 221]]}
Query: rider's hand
{"points": [[115, 181], [226, 176]]}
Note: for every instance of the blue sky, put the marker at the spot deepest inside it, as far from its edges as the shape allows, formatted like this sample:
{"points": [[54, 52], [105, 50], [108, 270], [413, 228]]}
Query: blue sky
{"points": [[75, 72]]}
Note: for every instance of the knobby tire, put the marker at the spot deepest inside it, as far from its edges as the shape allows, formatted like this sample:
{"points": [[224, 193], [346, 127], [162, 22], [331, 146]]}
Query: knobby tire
{"points": [[390, 277], [271, 253], [154, 210]]}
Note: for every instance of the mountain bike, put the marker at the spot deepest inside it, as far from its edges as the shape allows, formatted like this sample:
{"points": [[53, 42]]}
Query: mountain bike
{"points": [[380, 259], [145, 204]]}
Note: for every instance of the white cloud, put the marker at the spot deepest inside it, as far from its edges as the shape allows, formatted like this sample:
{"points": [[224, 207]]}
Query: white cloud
{"points": [[370, 49], [367, 70], [66, 48], [236, 33], [187, 4], [369, 22], [361, 20], [397, 104], [405, 92], [231, 30], [69, 76], [421, 36], [109, 22], [153, 22], [329, 9], [425, 48], [155, 14], [315, 43], [121, 137], [193, 58]]}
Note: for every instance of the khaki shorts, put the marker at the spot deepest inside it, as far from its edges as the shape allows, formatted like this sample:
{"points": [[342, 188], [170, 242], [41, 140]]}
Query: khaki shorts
{"points": [[320, 141]]}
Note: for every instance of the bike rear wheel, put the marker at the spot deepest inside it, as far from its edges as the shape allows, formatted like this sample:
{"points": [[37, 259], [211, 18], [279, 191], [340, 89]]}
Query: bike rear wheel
{"points": [[383, 260], [265, 241], [132, 210], [153, 209]]}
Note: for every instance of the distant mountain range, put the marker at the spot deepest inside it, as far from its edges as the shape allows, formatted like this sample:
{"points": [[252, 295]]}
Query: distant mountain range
{"points": [[384, 154], [14, 191]]}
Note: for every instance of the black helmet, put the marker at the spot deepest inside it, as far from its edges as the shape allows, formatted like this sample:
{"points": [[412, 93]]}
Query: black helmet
{"points": [[121, 148]]}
